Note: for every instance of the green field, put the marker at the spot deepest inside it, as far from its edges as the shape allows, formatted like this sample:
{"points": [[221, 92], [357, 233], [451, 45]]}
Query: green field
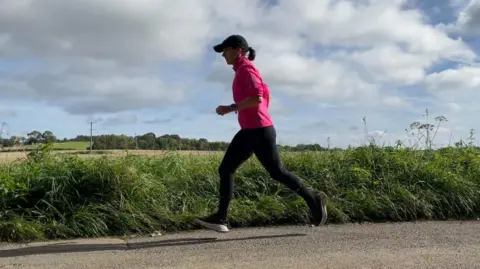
{"points": [[54, 195], [73, 145]]}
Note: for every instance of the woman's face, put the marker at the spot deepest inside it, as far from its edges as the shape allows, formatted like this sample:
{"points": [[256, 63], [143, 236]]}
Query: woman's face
{"points": [[230, 55]]}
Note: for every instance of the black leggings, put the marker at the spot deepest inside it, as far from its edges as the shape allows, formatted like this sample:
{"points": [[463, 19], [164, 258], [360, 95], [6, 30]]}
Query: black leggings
{"points": [[262, 142]]}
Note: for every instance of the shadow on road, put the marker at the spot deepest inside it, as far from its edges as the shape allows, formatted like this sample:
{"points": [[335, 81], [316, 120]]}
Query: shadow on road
{"points": [[72, 247]]}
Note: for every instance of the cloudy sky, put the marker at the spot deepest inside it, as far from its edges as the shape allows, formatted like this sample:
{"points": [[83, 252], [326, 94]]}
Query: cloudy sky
{"points": [[137, 66]]}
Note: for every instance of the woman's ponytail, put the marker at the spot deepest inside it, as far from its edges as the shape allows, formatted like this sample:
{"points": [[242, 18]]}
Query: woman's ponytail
{"points": [[251, 54]]}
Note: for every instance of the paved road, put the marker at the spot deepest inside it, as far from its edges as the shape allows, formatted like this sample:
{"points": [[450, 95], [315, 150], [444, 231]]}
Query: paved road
{"points": [[406, 245]]}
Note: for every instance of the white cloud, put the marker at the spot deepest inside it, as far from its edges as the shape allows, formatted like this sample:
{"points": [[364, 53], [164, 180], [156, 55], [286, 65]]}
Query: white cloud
{"points": [[457, 90], [377, 23], [454, 106], [308, 77], [120, 120], [8, 113], [460, 86], [80, 94], [394, 101], [468, 20], [464, 78], [391, 64], [96, 56], [279, 108], [129, 31], [105, 56], [391, 46]]}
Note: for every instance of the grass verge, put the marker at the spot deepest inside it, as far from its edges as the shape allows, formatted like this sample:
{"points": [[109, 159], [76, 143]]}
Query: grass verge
{"points": [[60, 196]]}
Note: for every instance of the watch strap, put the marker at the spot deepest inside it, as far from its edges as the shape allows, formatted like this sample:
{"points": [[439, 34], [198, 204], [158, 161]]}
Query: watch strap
{"points": [[234, 107]]}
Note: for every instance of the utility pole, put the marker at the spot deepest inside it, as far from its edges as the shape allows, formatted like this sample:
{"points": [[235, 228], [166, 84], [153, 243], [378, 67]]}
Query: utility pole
{"points": [[91, 136], [2, 132], [429, 143], [365, 130], [136, 141]]}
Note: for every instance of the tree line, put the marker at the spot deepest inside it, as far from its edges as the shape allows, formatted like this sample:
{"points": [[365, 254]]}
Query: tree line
{"points": [[32, 138], [148, 141]]}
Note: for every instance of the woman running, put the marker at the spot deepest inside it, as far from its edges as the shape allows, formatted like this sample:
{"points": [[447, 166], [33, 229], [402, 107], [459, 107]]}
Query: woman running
{"points": [[257, 135]]}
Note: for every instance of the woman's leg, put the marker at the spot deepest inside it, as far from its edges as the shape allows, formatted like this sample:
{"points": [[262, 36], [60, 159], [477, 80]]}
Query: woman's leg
{"points": [[237, 153], [265, 148]]}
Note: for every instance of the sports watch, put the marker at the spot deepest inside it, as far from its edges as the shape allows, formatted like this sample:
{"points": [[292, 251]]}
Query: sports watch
{"points": [[234, 107]]}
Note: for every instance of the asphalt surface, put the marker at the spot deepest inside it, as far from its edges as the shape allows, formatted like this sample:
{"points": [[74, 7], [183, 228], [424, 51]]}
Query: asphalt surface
{"points": [[402, 245]]}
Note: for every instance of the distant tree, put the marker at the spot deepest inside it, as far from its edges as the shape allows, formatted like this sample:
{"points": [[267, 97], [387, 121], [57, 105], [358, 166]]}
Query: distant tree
{"points": [[48, 137], [34, 137]]}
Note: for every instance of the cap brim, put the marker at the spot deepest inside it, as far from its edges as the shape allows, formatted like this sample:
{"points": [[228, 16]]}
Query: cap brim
{"points": [[218, 48]]}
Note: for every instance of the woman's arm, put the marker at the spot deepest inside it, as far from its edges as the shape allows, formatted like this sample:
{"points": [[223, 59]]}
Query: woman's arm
{"points": [[252, 85], [249, 102]]}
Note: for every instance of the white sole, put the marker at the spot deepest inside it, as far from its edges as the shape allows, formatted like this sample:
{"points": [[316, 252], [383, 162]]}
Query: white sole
{"points": [[215, 227]]}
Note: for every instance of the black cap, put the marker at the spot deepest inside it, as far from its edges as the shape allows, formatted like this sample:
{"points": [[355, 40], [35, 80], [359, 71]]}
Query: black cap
{"points": [[234, 41]]}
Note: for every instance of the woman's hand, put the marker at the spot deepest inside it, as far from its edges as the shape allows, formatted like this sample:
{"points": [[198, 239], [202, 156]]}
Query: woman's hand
{"points": [[222, 110]]}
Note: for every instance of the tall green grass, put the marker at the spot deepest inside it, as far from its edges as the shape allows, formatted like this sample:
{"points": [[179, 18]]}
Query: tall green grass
{"points": [[61, 196]]}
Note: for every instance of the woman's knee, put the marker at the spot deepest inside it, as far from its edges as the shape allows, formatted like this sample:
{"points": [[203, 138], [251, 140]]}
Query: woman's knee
{"points": [[224, 170], [284, 176], [277, 172]]}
